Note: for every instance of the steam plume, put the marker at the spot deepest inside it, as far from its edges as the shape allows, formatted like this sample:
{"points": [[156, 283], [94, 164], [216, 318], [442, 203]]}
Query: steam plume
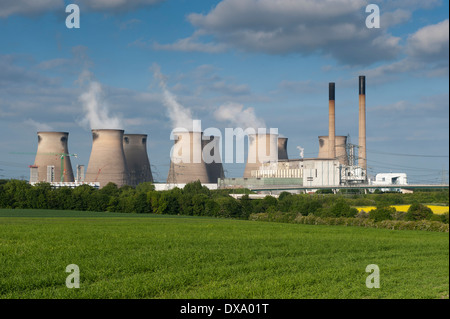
{"points": [[302, 150], [180, 116], [235, 114], [94, 106]]}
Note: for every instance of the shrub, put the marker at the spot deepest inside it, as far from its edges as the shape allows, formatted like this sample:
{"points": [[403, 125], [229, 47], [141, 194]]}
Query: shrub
{"points": [[444, 218], [418, 211], [382, 213], [339, 208]]}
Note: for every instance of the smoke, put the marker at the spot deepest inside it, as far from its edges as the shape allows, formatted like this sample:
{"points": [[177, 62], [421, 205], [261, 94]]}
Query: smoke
{"points": [[236, 115], [96, 111], [37, 125], [180, 116], [302, 150]]}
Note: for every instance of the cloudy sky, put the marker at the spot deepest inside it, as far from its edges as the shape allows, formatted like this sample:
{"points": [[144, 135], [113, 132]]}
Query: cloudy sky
{"points": [[145, 65]]}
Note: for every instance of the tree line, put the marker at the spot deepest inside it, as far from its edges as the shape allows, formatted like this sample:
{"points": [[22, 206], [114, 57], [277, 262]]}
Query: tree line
{"points": [[197, 200]]}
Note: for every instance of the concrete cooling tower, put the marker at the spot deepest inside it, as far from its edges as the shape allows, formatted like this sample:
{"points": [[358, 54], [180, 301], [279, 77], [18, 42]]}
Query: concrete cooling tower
{"points": [[262, 148], [186, 161], [282, 148], [107, 162], [52, 147], [138, 164], [211, 155], [340, 148]]}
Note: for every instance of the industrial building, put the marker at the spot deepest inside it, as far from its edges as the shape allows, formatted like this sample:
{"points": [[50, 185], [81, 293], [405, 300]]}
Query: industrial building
{"points": [[122, 159], [336, 163]]}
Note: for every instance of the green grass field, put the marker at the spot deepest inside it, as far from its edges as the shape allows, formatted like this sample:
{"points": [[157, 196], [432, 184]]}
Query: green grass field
{"points": [[153, 256]]}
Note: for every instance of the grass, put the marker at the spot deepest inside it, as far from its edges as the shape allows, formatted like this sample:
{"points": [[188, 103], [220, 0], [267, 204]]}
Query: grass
{"points": [[404, 208], [152, 256]]}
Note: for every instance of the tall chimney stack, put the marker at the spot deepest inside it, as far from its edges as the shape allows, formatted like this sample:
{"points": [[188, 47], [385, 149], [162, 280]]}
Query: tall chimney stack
{"points": [[331, 122], [362, 161]]}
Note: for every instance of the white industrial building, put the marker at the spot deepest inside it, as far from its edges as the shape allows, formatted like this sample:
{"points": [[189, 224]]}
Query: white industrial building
{"points": [[390, 179]]}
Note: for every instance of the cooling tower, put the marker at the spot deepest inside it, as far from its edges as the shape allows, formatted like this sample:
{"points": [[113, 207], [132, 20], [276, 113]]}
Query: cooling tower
{"points": [[282, 148], [341, 148], [262, 148], [51, 147], [362, 157], [107, 161], [186, 162], [211, 156], [331, 122], [138, 164]]}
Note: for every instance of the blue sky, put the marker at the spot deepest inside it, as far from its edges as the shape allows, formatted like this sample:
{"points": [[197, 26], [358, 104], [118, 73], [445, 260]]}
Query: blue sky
{"points": [[274, 59]]}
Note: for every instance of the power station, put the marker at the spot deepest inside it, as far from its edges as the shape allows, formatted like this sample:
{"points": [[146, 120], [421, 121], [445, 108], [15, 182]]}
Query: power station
{"points": [[123, 159]]}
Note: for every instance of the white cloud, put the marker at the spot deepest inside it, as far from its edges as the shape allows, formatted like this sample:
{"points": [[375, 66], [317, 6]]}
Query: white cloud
{"points": [[54, 63], [28, 7], [306, 86], [395, 17], [115, 5], [435, 106], [427, 53], [37, 7], [190, 44], [129, 24], [430, 43], [334, 28]]}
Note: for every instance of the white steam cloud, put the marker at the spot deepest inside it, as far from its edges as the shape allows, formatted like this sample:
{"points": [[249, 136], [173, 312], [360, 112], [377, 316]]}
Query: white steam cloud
{"points": [[302, 151], [235, 114], [96, 111], [37, 125], [180, 116]]}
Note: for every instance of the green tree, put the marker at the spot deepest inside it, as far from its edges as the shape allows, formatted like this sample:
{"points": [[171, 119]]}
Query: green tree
{"points": [[418, 211], [38, 195], [211, 207], [199, 204], [141, 205], [98, 202], [196, 188], [229, 207], [145, 187], [382, 212], [247, 206], [14, 194], [81, 197], [110, 189]]}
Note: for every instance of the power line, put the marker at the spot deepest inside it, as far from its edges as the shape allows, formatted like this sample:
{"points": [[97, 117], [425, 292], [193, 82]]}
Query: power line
{"points": [[411, 155], [405, 167]]}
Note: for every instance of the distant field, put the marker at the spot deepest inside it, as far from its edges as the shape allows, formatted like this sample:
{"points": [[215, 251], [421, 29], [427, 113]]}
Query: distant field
{"points": [[153, 256], [404, 208]]}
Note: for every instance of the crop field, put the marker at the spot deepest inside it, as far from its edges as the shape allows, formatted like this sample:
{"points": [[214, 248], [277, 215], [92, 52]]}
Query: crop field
{"points": [[157, 256], [404, 208]]}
